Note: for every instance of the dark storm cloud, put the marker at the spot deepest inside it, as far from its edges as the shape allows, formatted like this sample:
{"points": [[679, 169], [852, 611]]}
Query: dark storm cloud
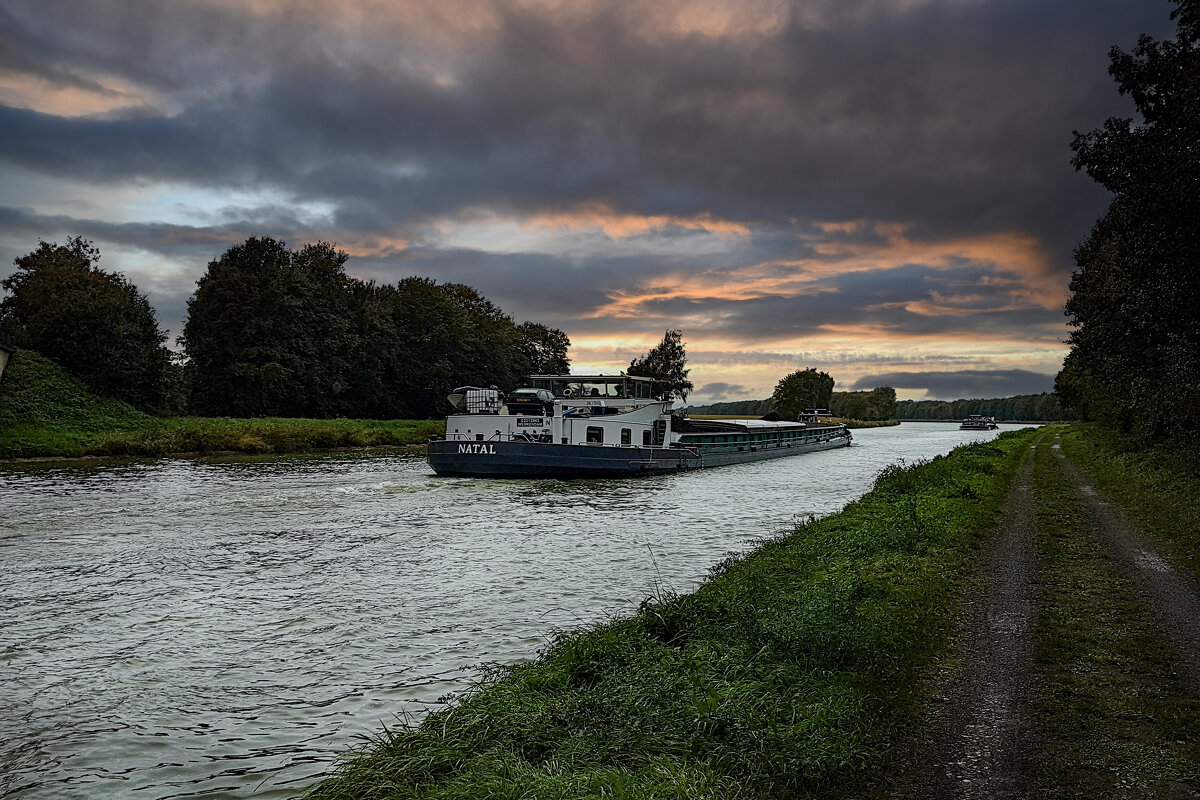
{"points": [[952, 117], [963, 384], [719, 390]]}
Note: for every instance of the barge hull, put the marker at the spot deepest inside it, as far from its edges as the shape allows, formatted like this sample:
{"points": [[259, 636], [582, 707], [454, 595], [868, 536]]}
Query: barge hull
{"points": [[508, 459]]}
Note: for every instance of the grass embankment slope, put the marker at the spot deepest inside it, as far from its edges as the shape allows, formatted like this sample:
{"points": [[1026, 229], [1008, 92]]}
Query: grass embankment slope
{"points": [[789, 673], [45, 413]]}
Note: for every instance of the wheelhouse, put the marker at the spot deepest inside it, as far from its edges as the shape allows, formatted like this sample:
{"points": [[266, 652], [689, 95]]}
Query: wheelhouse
{"points": [[611, 387]]}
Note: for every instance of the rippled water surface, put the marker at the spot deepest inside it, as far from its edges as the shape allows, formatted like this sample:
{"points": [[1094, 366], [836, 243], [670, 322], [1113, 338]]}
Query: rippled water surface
{"points": [[226, 628]]}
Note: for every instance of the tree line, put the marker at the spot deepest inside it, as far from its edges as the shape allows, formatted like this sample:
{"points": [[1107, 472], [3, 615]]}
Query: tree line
{"points": [[272, 331], [1135, 305], [1023, 407], [811, 388]]}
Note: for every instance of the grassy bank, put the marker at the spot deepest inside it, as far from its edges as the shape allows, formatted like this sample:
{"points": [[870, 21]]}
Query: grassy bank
{"points": [[1114, 718], [790, 672], [862, 423], [46, 413], [1159, 487]]}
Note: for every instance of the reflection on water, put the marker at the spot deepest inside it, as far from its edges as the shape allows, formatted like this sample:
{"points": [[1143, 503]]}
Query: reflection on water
{"points": [[225, 628]]}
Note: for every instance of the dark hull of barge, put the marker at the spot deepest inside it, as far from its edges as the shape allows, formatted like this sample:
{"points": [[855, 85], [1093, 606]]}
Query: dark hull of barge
{"points": [[510, 459]]}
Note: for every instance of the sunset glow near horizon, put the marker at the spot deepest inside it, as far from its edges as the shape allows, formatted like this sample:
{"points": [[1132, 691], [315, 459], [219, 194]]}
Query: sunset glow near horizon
{"points": [[877, 189]]}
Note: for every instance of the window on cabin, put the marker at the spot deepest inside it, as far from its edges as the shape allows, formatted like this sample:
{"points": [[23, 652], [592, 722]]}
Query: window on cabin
{"points": [[626, 436], [595, 434], [646, 438]]}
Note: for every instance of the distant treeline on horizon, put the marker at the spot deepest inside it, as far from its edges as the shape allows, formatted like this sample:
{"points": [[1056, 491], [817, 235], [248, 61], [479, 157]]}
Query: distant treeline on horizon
{"points": [[1043, 407]]}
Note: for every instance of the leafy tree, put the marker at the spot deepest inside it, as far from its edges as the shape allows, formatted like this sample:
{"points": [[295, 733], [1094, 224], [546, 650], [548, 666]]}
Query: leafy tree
{"points": [[665, 364], [95, 324], [268, 331], [1136, 292], [802, 389], [882, 403], [544, 349], [275, 331], [876, 404]]}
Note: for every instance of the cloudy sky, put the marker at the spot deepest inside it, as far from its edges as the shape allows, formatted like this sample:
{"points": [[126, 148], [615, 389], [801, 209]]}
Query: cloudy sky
{"points": [[880, 189]]}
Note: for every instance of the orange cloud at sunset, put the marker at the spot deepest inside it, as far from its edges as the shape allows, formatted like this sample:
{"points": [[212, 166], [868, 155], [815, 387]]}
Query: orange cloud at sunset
{"points": [[1019, 274], [618, 225], [1020, 254]]}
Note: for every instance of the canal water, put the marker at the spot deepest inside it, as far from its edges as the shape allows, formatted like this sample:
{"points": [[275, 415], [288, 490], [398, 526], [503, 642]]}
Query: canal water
{"points": [[226, 628]]}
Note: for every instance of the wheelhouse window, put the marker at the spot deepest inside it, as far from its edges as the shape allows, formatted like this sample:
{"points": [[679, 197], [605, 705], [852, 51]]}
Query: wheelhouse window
{"points": [[595, 434], [611, 387]]}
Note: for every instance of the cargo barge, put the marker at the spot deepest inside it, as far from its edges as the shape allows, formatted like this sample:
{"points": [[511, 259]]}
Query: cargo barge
{"points": [[596, 426]]}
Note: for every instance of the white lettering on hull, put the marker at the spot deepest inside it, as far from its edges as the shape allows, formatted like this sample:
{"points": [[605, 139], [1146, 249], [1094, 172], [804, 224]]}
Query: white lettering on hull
{"points": [[490, 449]]}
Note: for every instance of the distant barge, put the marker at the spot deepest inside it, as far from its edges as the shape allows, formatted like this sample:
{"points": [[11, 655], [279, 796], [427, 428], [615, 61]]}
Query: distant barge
{"points": [[597, 426], [978, 422]]}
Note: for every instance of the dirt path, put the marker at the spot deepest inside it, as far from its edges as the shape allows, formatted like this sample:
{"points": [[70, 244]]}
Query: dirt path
{"points": [[978, 744], [1172, 596], [981, 740]]}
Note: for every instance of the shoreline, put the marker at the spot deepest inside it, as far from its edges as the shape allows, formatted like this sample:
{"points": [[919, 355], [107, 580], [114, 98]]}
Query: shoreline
{"points": [[794, 668], [408, 449], [998, 421], [184, 437], [824, 661]]}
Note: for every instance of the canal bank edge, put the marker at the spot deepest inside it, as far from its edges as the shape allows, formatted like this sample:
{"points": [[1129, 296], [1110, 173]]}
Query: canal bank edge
{"points": [[46, 415], [794, 668]]}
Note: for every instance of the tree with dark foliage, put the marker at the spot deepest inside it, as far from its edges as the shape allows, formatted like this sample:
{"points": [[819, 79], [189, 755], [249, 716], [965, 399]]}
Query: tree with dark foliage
{"points": [[269, 331], [806, 388], [289, 333], [544, 349], [1135, 304], [95, 324], [665, 364], [873, 405], [1023, 407]]}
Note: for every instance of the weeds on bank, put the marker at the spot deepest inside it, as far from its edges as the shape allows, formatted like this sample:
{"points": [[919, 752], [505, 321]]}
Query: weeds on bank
{"points": [[1157, 487], [1114, 720], [788, 672]]}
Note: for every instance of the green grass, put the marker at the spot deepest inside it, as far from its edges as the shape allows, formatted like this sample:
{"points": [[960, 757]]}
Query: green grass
{"points": [[1113, 719], [1158, 488], [36, 391], [790, 672], [46, 413]]}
